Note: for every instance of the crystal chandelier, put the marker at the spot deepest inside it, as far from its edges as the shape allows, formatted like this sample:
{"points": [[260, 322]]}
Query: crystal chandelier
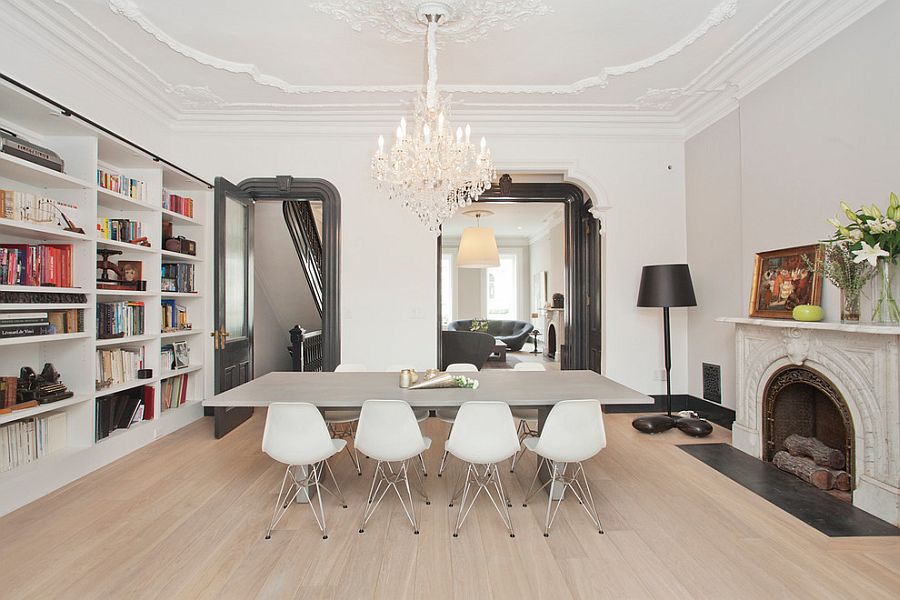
{"points": [[430, 170]]}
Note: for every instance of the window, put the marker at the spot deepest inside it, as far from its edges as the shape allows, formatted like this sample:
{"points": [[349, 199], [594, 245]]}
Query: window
{"points": [[446, 289], [502, 289]]}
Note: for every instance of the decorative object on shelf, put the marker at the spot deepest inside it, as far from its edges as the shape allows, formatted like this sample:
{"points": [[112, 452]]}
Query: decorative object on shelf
{"points": [[505, 184], [106, 265], [70, 225], [808, 312], [839, 267], [873, 237], [127, 272], [427, 169], [42, 388], [131, 270], [477, 246], [558, 301], [782, 280], [446, 380], [181, 245], [664, 286], [13, 145], [182, 356], [145, 373]]}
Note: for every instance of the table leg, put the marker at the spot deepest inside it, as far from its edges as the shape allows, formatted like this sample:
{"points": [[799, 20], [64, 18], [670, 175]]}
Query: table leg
{"points": [[556, 490]]}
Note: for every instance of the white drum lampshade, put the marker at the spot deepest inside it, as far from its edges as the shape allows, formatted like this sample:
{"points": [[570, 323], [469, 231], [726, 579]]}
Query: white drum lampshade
{"points": [[477, 249]]}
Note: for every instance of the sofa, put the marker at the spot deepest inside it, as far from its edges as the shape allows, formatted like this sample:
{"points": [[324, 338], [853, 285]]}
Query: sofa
{"points": [[471, 347], [512, 333]]}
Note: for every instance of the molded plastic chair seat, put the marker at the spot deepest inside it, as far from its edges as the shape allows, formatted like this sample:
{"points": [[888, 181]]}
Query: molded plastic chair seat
{"points": [[341, 415], [447, 415], [525, 414]]}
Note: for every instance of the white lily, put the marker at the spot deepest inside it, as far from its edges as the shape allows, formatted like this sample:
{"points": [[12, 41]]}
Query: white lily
{"points": [[869, 253], [889, 224], [855, 235], [876, 226]]}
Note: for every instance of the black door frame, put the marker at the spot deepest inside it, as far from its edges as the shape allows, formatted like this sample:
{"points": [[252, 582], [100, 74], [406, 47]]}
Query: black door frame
{"points": [[580, 289], [286, 187]]}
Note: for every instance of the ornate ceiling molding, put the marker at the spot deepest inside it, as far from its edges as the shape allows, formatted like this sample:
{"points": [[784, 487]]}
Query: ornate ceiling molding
{"points": [[400, 21], [718, 15]]}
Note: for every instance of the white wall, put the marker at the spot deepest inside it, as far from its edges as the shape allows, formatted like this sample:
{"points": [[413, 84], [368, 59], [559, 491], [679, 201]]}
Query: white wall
{"points": [[548, 253], [282, 296], [827, 129]]}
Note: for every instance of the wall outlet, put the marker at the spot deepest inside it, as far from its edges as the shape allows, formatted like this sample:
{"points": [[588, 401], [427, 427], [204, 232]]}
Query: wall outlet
{"points": [[659, 375]]}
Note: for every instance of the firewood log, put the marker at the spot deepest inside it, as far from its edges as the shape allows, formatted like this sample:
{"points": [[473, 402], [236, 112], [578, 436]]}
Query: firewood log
{"points": [[842, 481], [812, 448], [805, 469]]}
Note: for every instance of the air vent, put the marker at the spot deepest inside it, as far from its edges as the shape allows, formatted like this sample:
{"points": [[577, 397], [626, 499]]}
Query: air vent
{"points": [[712, 383]]}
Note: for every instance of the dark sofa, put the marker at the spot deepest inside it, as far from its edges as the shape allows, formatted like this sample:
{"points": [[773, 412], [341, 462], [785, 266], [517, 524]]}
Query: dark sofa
{"points": [[512, 333], [471, 347]]}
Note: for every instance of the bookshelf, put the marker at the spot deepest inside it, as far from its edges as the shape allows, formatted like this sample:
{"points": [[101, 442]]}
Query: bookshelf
{"points": [[85, 150]]}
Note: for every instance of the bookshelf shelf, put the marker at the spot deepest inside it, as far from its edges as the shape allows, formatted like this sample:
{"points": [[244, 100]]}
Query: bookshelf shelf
{"points": [[117, 201], [180, 333], [178, 218], [91, 155], [121, 387], [126, 246], [28, 173], [44, 339], [37, 410], [38, 232], [124, 341], [179, 257]]}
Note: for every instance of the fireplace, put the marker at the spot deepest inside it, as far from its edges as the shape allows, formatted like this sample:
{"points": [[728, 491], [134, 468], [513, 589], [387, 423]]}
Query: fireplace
{"points": [[554, 331], [800, 401]]}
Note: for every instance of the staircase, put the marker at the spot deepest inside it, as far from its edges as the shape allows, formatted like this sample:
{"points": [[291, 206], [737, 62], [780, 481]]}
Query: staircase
{"points": [[302, 226]]}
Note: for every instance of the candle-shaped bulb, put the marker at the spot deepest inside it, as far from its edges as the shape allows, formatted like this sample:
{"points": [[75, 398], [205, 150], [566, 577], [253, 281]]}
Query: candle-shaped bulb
{"points": [[440, 123], [399, 134], [380, 144], [468, 132], [426, 133], [459, 135], [403, 125], [483, 144]]}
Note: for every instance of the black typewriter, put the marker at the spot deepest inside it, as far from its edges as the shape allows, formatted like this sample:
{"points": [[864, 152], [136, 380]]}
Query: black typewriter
{"points": [[44, 387]]}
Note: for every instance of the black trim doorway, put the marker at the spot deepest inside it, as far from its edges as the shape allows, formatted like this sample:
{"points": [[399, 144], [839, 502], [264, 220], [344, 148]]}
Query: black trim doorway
{"points": [[582, 255]]}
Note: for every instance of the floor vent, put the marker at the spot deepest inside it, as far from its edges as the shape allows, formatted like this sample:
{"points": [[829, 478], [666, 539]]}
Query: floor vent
{"points": [[712, 382]]}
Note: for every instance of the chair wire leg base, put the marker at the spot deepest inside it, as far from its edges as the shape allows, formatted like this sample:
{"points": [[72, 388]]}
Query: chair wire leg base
{"points": [[581, 489], [344, 431], [294, 486], [384, 479], [485, 479]]}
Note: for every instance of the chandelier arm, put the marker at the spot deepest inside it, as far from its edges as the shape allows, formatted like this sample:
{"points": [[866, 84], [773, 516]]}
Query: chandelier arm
{"points": [[431, 54]]}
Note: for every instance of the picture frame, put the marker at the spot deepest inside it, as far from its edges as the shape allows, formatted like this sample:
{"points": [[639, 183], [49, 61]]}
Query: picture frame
{"points": [[131, 270], [182, 355], [782, 280]]}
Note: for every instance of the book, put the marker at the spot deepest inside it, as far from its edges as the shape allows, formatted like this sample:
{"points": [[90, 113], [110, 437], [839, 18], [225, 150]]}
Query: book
{"points": [[13, 331]]}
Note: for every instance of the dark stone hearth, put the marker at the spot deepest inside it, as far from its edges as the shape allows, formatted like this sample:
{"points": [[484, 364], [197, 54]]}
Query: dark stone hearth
{"points": [[814, 507], [694, 427], [653, 423]]}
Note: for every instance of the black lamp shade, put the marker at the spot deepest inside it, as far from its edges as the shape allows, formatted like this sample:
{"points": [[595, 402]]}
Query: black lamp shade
{"points": [[666, 285]]}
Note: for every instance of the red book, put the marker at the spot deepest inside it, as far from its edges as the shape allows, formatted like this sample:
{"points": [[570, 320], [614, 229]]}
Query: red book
{"points": [[149, 404]]}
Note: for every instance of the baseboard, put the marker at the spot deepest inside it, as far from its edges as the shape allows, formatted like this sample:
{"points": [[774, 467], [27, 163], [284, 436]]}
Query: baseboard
{"points": [[716, 413]]}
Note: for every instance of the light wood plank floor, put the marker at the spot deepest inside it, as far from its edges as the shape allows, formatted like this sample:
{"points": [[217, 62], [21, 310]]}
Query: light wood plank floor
{"points": [[185, 518]]}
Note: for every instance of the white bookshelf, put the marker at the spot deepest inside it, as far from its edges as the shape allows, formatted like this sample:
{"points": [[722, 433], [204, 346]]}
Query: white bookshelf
{"points": [[84, 150]]}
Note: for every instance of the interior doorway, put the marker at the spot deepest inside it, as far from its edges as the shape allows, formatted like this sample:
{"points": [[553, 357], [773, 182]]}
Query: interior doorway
{"points": [[576, 324]]}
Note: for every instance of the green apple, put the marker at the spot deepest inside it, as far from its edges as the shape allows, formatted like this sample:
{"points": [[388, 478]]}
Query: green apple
{"points": [[808, 312]]}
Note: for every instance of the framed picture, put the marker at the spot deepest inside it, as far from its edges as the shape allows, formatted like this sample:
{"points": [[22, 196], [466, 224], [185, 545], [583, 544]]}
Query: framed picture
{"points": [[182, 355], [131, 270], [782, 279]]}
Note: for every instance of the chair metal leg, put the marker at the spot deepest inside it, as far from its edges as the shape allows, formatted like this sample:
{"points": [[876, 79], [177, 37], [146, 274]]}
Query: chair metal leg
{"points": [[422, 462], [340, 494], [444, 457], [531, 489], [287, 497], [383, 481], [484, 480], [586, 497]]}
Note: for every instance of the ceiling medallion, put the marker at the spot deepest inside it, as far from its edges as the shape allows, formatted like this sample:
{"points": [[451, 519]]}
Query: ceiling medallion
{"points": [[427, 169], [401, 20]]}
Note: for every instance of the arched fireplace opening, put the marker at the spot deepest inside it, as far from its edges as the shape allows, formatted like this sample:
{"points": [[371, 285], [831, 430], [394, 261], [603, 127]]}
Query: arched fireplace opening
{"points": [[800, 401], [551, 341]]}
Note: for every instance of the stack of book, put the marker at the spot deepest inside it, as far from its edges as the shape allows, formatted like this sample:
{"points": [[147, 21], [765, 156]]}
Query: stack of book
{"points": [[20, 324], [173, 391], [121, 411], [25, 206], [8, 387], [117, 319], [42, 264], [121, 184], [177, 277], [119, 365], [25, 441], [179, 204], [174, 316], [120, 230]]}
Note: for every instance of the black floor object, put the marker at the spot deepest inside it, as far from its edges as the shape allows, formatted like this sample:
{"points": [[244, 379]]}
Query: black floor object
{"points": [[814, 507]]}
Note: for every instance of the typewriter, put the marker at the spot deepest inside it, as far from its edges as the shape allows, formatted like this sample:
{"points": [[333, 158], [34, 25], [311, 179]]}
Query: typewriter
{"points": [[13, 145], [43, 388]]}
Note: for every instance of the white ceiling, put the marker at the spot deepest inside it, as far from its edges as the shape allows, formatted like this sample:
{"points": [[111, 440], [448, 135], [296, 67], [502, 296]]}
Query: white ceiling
{"points": [[510, 221], [615, 57]]}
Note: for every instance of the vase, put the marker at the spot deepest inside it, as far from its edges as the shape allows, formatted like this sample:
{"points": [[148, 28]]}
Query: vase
{"points": [[884, 296], [849, 307]]}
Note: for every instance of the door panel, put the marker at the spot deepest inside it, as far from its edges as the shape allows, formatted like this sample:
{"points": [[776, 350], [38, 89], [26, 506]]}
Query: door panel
{"points": [[234, 298], [593, 285]]}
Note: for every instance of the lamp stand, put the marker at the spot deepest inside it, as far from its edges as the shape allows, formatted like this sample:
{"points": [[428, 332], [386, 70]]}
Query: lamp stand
{"points": [[660, 423]]}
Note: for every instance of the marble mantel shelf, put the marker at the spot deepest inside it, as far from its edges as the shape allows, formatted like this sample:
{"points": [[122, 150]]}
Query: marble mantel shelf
{"points": [[821, 325]]}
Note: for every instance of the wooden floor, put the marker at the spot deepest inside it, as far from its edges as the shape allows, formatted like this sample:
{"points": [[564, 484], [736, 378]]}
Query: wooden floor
{"points": [[185, 518]]}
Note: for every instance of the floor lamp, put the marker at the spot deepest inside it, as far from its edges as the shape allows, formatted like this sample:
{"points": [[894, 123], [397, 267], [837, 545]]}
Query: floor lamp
{"points": [[667, 286]]}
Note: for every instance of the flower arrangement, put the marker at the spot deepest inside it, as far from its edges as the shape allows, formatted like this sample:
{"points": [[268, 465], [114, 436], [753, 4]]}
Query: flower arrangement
{"points": [[466, 382], [840, 268], [873, 237]]}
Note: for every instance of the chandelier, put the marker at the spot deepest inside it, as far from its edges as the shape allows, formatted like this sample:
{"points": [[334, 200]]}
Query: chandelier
{"points": [[430, 169]]}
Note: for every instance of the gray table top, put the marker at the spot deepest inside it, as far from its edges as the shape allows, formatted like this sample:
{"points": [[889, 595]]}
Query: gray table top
{"points": [[344, 390]]}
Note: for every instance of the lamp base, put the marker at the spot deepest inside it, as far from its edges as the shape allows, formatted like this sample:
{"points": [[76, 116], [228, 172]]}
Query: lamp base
{"points": [[695, 427], [654, 423]]}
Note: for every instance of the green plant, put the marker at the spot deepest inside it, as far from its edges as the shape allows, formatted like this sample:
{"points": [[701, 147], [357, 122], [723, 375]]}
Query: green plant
{"points": [[479, 325], [840, 268]]}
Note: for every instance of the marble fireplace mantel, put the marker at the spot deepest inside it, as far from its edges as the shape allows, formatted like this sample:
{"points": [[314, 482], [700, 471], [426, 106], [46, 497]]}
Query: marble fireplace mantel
{"points": [[863, 363]]}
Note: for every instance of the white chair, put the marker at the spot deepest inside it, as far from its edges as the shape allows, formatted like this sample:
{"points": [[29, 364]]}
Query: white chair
{"points": [[525, 416], [483, 435], [389, 433], [572, 434], [448, 415], [341, 420], [297, 436]]}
